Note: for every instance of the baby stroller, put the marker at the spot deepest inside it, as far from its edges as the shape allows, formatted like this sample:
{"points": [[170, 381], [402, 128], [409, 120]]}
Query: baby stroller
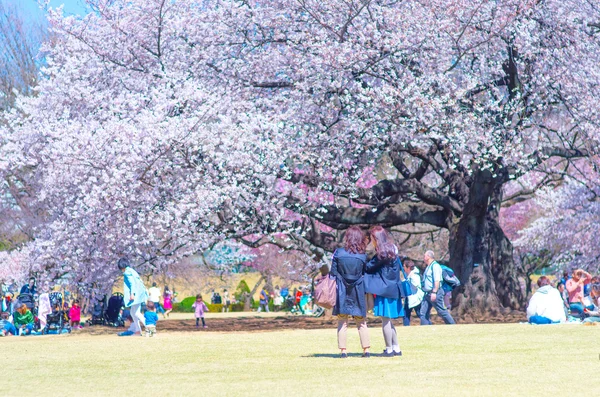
{"points": [[28, 300], [290, 303], [98, 312], [57, 322], [318, 311], [112, 315]]}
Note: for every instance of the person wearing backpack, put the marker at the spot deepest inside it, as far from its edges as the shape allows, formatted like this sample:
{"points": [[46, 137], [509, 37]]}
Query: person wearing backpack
{"points": [[434, 293], [450, 281], [413, 301]]}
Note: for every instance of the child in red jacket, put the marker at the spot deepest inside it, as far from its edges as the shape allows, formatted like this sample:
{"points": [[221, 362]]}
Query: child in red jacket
{"points": [[75, 315]]}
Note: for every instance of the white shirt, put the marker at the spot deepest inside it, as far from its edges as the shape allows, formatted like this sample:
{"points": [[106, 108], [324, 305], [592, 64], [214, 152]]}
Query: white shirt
{"points": [[416, 298], [154, 293], [547, 302]]}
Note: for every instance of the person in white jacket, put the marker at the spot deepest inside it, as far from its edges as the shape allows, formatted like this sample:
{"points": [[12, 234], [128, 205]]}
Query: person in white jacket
{"points": [[546, 304], [414, 300]]}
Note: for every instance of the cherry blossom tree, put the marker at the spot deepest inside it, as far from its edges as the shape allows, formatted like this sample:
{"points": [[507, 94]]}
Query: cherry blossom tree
{"points": [[460, 97], [166, 126], [567, 223], [128, 153]]}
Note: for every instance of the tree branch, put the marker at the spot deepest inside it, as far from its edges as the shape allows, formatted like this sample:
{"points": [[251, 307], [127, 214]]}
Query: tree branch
{"points": [[391, 215]]}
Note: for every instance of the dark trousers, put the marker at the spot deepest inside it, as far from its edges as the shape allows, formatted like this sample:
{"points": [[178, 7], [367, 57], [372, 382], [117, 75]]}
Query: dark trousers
{"points": [[439, 305], [408, 312], [198, 321]]}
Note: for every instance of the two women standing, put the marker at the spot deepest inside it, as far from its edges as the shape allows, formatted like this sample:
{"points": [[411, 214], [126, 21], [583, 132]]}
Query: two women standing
{"points": [[356, 276]]}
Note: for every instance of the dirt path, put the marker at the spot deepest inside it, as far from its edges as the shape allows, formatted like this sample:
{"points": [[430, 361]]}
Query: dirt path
{"points": [[262, 324]]}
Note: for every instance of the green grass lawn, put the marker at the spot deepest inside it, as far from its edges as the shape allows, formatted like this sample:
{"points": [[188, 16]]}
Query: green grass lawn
{"points": [[505, 359]]}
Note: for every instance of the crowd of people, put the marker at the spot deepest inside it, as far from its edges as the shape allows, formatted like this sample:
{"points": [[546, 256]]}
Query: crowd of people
{"points": [[33, 311], [575, 298], [369, 275]]}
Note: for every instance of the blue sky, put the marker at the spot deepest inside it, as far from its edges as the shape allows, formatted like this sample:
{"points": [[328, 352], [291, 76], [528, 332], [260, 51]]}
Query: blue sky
{"points": [[32, 10]]}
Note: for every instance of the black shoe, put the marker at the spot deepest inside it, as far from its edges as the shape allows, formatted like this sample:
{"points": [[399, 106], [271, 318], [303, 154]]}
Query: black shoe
{"points": [[386, 354], [366, 355], [344, 355], [398, 353]]}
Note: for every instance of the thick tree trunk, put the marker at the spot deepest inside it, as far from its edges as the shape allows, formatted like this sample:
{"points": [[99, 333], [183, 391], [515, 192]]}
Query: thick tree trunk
{"points": [[482, 255]]}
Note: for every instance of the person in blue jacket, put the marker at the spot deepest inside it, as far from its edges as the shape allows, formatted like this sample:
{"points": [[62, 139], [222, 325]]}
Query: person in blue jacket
{"points": [[348, 267], [134, 293], [382, 280], [30, 287]]}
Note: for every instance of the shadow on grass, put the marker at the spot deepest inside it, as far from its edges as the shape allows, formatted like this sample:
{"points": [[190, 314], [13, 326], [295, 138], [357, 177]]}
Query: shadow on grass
{"points": [[331, 355], [337, 355]]}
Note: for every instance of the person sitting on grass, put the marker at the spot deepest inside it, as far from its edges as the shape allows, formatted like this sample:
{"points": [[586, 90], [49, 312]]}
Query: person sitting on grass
{"points": [[563, 294], [200, 307], [546, 305], [575, 287], [23, 319], [6, 327], [594, 314], [150, 318], [75, 314]]}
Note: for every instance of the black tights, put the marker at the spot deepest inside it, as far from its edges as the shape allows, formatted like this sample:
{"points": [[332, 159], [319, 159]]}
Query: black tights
{"points": [[198, 323]]}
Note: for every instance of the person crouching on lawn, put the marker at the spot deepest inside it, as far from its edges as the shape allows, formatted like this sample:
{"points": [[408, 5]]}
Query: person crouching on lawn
{"points": [[546, 305], [6, 327], [150, 318], [135, 294], [23, 319]]}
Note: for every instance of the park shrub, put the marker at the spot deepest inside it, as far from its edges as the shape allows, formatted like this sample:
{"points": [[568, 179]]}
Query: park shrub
{"points": [[237, 307], [255, 305], [241, 290], [214, 307], [185, 306]]}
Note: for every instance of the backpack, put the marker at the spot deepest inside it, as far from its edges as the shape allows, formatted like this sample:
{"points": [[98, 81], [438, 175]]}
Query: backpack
{"points": [[449, 278]]}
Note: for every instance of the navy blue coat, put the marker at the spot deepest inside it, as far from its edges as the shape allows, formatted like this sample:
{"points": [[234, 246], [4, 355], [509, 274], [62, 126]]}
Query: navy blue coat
{"points": [[349, 270], [383, 277]]}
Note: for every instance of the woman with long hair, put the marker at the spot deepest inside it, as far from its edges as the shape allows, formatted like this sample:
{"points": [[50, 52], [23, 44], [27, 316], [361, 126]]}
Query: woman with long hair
{"points": [[167, 301], [382, 280], [348, 267]]}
